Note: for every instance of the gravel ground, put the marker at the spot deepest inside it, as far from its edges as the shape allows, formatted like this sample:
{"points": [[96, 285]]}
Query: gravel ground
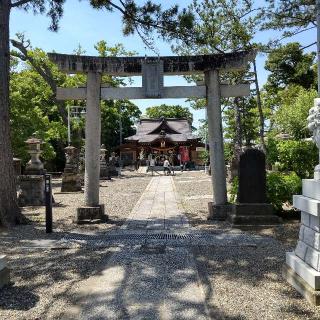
{"points": [[42, 278], [243, 282]]}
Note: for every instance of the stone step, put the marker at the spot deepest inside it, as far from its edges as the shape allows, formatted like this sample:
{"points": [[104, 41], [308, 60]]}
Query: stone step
{"points": [[305, 204], [253, 209], [254, 220]]}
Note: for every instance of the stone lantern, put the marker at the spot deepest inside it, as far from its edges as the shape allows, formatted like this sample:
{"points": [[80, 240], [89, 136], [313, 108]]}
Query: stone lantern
{"points": [[34, 166], [71, 181], [103, 164]]}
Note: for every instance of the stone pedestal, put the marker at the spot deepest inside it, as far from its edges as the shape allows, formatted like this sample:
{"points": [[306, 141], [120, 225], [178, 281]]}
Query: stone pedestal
{"points": [[219, 212], [71, 180], [31, 191], [94, 214], [253, 214], [302, 267], [4, 271]]}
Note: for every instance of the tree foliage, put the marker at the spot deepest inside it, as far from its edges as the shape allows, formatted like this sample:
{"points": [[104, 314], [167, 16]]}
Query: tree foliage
{"points": [[291, 116], [288, 64], [169, 111], [291, 17]]}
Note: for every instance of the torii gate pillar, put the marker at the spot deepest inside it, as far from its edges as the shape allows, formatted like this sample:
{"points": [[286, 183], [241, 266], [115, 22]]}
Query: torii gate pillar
{"points": [[218, 208], [92, 211]]}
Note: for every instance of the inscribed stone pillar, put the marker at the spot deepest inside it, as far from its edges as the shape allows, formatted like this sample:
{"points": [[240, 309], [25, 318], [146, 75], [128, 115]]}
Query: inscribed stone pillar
{"points": [[92, 144], [217, 162], [252, 208]]}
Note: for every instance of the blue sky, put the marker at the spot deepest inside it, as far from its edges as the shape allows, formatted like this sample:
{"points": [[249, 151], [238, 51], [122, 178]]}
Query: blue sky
{"points": [[83, 25]]}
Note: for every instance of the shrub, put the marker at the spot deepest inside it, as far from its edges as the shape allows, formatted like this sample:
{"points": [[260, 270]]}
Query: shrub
{"points": [[298, 156], [281, 187]]}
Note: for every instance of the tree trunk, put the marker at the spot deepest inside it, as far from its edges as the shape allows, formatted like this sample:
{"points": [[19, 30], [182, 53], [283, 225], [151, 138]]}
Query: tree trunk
{"points": [[9, 210], [261, 116]]}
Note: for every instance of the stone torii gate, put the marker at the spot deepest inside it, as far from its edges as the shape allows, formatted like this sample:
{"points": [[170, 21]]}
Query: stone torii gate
{"points": [[152, 70]]}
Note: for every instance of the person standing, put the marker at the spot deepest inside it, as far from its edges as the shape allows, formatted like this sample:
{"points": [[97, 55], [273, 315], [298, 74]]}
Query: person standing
{"points": [[152, 164], [166, 167]]}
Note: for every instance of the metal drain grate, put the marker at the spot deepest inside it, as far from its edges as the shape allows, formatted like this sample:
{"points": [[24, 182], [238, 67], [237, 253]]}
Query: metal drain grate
{"points": [[116, 237]]}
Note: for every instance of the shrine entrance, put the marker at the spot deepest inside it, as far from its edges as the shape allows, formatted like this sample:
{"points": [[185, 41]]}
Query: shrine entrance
{"points": [[152, 70]]}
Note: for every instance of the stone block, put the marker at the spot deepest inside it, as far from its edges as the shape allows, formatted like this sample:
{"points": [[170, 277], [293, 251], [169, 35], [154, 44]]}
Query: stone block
{"points": [[310, 275], [4, 277], [3, 262], [311, 188], [219, 212], [301, 250], [301, 232], [91, 215], [310, 237], [311, 206], [71, 182], [315, 223], [311, 295], [31, 191], [312, 258], [305, 218]]}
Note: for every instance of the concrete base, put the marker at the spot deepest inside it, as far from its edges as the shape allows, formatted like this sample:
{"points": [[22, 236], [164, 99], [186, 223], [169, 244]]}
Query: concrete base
{"points": [[219, 212], [91, 215], [253, 214], [71, 182], [311, 295]]}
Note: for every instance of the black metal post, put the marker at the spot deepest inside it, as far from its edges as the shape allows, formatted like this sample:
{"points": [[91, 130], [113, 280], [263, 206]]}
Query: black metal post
{"points": [[48, 199]]}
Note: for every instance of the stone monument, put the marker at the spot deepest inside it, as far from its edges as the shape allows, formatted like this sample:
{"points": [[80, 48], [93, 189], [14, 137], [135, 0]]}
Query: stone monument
{"points": [[4, 271], [71, 181], [113, 172], [302, 267], [252, 207], [31, 191], [103, 164]]}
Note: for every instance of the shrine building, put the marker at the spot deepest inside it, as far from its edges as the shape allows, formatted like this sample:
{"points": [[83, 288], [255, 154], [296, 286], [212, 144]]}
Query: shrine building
{"points": [[161, 138]]}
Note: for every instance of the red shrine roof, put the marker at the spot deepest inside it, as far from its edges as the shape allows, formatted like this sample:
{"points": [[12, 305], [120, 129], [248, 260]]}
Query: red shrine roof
{"points": [[174, 130]]}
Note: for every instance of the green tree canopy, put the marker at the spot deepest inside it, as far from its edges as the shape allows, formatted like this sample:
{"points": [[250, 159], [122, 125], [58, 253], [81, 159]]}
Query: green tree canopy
{"points": [[291, 117], [289, 65], [169, 111]]}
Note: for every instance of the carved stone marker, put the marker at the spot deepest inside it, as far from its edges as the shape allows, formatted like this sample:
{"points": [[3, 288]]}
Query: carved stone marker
{"points": [[31, 192], [71, 181], [252, 207], [302, 267], [4, 271]]}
